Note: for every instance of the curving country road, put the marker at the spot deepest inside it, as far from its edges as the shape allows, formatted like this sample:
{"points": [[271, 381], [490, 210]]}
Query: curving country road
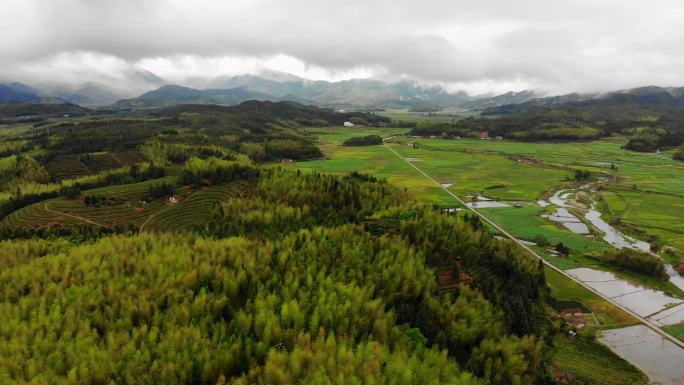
{"points": [[641, 319]]}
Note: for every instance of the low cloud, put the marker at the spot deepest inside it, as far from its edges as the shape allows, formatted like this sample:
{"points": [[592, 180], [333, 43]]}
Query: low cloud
{"points": [[486, 46]]}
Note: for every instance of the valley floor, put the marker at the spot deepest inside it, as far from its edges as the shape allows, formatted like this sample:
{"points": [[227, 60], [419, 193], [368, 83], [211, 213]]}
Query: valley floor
{"points": [[640, 194]]}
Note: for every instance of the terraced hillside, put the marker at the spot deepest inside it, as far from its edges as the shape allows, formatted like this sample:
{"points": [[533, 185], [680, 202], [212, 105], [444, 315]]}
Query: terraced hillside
{"points": [[37, 216], [193, 211], [75, 165], [128, 205], [101, 162], [125, 207], [66, 167]]}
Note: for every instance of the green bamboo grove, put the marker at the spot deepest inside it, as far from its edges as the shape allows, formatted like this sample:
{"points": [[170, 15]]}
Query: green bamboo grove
{"points": [[284, 285]]}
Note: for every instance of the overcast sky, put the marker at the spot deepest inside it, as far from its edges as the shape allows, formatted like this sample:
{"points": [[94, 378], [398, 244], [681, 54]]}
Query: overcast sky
{"points": [[477, 46]]}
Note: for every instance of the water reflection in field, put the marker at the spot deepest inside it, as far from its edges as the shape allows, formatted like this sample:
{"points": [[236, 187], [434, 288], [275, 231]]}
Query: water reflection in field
{"points": [[659, 358]]}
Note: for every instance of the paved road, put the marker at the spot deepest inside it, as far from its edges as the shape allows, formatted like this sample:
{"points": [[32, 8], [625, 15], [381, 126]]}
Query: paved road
{"points": [[643, 320]]}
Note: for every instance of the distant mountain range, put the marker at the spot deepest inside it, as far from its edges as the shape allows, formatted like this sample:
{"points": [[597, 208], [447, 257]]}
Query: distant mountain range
{"points": [[170, 95], [354, 93], [270, 85], [86, 94], [650, 96]]}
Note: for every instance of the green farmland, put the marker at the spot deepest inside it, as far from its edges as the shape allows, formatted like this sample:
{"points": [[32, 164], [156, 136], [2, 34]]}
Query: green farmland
{"points": [[593, 363], [646, 191], [525, 172]]}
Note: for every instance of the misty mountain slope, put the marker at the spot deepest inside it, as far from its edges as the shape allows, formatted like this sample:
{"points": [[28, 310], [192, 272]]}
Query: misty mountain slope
{"points": [[506, 98], [353, 92], [651, 96], [173, 94], [88, 93], [17, 92]]}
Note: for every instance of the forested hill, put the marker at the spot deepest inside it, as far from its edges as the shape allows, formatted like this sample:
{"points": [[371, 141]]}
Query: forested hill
{"points": [[297, 278], [649, 126], [32, 111], [304, 114]]}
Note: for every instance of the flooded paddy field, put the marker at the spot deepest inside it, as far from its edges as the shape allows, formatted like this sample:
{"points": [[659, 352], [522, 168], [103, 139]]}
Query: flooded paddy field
{"points": [[659, 358], [642, 301]]}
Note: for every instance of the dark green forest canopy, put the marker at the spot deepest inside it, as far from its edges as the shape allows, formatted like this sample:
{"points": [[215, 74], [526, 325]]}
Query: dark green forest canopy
{"points": [[289, 284], [246, 273], [46, 157], [367, 140], [649, 128]]}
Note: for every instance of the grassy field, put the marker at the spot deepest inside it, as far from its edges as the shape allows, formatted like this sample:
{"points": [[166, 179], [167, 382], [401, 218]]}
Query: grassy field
{"points": [[655, 213], [371, 159], [593, 363], [519, 171], [495, 176], [526, 223], [650, 172], [676, 330]]}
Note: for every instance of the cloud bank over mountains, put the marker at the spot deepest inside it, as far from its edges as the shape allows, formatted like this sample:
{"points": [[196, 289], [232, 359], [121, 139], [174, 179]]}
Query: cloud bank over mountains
{"points": [[479, 47]]}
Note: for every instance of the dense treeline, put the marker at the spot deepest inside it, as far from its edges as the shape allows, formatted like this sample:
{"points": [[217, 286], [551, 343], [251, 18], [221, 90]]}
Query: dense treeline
{"points": [[526, 128], [18, 169], [636, 261], [97, 135], [649, 128], [304, 294], [162, 153], [679, 154], [166, 310], [280, 149], [212, 171], [70, 148], [75, 234], [368, 140], [498, 268], [285, 201]]}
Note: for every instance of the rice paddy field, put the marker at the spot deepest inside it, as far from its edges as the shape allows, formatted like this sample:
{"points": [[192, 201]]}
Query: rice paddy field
{"points": [[593, 363], [646, 190], [655, 213], [676, 330], [522, 173], [606, 315], [371, 159], [527, 223]]}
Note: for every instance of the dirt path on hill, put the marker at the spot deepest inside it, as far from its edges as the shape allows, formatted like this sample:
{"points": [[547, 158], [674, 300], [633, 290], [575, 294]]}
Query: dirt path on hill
{"points": [[86, 220]]}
